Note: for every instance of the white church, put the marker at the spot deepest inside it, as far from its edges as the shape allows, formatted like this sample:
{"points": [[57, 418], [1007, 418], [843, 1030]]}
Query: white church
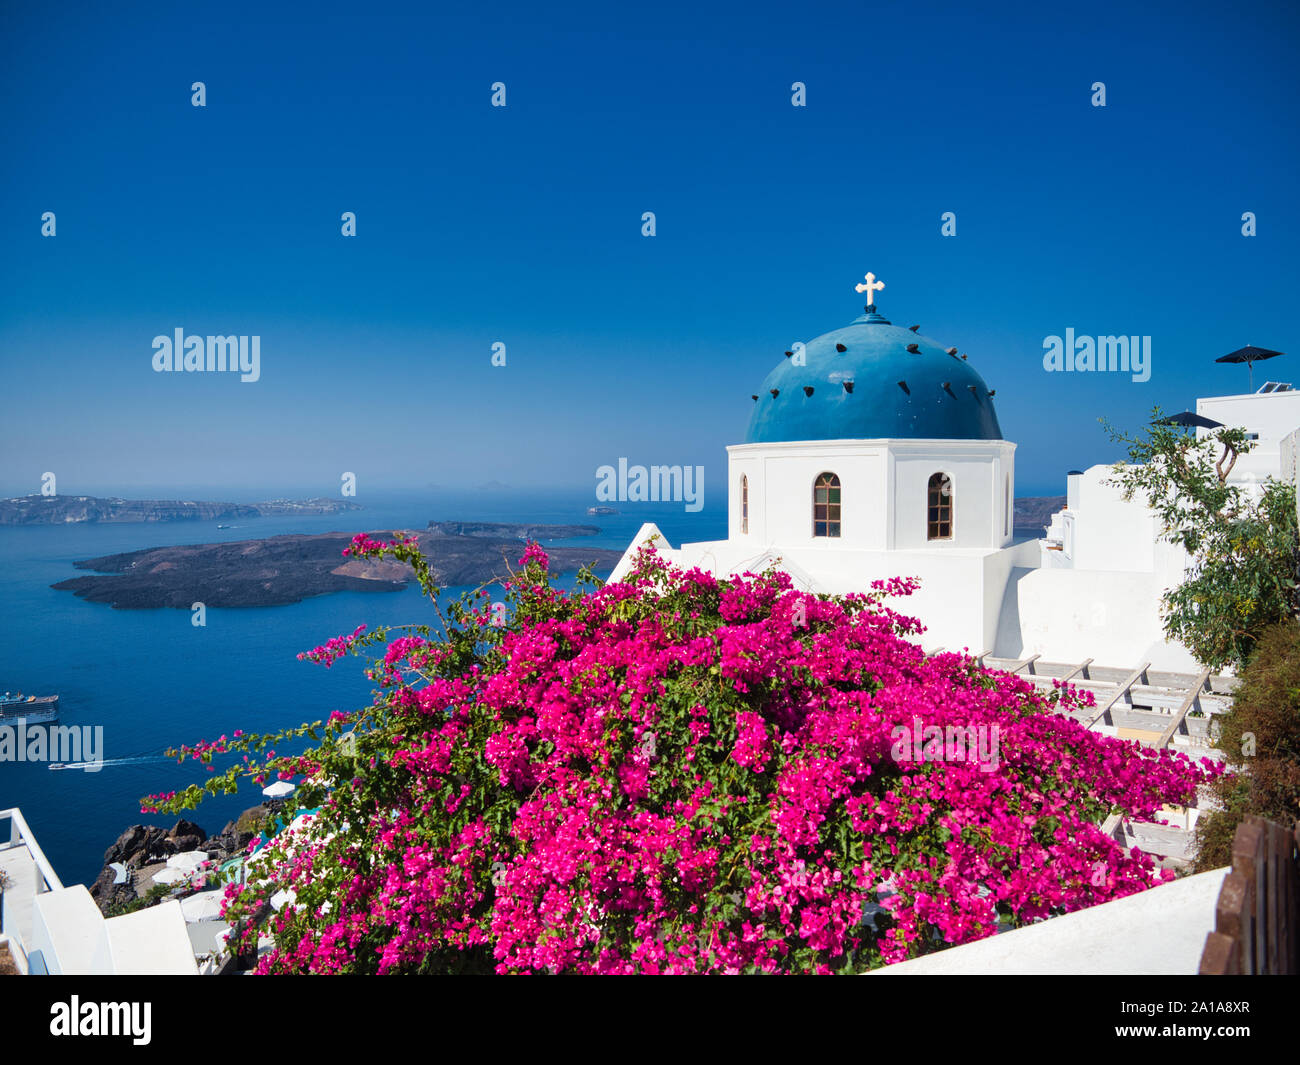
{"points": [[874, 452]]}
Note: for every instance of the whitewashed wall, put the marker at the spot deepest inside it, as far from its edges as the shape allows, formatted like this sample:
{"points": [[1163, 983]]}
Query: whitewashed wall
{"points": [[884, 492], [981, 472], [1273, 415], [1110, 534], [1290, 462]]}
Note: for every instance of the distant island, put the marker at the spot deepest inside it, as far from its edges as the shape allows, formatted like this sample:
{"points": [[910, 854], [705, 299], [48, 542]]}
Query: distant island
{"points": [[288, 569], [75, 510], [1035, 512]]}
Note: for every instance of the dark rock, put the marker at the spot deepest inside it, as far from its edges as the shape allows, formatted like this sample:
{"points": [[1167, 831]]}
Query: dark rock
{"points": [[108, 894], [242, 830], [184, 828], [137, 846], [186, 836]]}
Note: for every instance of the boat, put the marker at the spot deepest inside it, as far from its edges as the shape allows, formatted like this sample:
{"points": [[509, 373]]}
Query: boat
{"points": [[31, 708]]}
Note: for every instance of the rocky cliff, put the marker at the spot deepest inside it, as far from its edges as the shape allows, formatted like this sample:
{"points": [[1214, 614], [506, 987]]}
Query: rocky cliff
{"points": [[141, 847]]}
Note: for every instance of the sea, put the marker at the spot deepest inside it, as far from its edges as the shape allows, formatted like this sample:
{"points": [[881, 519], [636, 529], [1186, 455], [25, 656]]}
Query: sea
{"points": [[152, 680]]}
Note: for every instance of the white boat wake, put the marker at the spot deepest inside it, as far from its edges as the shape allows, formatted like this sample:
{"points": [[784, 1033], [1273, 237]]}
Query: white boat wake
{"points": [[111, 761]]}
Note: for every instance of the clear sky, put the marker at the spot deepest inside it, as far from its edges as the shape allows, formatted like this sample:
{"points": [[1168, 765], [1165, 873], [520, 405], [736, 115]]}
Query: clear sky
{"points": [[522, 224]]}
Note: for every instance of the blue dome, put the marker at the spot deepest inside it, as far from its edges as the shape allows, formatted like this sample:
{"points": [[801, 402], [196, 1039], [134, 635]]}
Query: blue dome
{"points": [[926, 394]]}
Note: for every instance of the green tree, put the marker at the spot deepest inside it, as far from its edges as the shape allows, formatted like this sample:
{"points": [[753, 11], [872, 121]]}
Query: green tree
{"points": [[1242, 542], [1261, 738]]}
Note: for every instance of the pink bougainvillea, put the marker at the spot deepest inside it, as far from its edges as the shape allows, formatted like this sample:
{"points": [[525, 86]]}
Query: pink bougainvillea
{"points": [[679, 773]]}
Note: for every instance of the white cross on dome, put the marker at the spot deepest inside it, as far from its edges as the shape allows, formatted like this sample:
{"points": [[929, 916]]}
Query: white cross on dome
{"points": [[871, 287]]}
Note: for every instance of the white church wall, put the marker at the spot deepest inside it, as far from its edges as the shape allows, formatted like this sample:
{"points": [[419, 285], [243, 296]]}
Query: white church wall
{"points": [[781, 509], [981, 472], [1000, 569], [884, 488], [749, 467], [959, 599], [948, 602]]}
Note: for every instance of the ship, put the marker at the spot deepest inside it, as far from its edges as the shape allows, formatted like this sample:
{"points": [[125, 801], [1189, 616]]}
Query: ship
{"points": [[34, 709]]}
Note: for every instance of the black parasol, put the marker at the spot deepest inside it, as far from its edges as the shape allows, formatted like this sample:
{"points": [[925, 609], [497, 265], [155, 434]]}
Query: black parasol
{"points": [[1250, 355], [1187, 418]]}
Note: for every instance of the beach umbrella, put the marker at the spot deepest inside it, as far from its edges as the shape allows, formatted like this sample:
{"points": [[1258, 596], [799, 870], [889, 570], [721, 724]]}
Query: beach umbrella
{"points": [[187, 862], [169, 875], [278, 790], [1187, 418], [204, 906], [1250, 355]]}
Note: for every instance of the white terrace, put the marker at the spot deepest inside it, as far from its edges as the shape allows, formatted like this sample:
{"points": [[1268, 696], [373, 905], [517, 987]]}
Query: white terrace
{"points": [[1156, 708], [51, 929]]}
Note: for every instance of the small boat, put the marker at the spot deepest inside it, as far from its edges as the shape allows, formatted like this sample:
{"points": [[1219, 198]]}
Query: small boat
{"points": [[32, 708]]}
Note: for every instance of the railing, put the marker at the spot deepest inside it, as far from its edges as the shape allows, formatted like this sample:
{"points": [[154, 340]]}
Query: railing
{"points": [[1257, 920], [14, 900], [20, 834]]}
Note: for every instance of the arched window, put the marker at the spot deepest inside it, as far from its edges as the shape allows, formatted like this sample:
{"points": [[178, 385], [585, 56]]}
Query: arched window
{"points": [[1006, 499], [939, 526], [744, 504], [826, 505]]}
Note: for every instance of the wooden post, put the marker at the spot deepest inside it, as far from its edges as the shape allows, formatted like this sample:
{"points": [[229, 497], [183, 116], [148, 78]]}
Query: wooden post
{"points": [[1023, 663], [1246, 860], [1192, 696], [1221, 957], [1122, 690], [1232, 917], [1257, 917], [1082, 667]]}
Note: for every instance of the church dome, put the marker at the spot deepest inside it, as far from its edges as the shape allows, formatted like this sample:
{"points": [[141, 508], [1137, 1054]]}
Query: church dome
{"points": [[872, 380]]}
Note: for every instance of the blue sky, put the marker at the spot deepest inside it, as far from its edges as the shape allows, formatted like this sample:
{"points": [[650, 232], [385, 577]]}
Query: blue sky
{"points": [[523, 225]]}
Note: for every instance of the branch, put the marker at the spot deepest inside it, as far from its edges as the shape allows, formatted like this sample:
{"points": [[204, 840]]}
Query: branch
{"points": [[1218, 466]]}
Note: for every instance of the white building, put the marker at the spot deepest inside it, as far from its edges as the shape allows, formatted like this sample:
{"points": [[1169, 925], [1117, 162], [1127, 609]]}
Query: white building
{"points": [[49, 929], [874, 452]]}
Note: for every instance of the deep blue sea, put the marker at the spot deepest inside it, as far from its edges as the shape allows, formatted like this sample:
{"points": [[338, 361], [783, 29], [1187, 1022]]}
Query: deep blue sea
{"points": [[153, 680]]}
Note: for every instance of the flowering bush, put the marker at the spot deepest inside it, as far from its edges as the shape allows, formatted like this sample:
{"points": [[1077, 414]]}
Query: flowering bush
{"points": [[679, 773]]}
